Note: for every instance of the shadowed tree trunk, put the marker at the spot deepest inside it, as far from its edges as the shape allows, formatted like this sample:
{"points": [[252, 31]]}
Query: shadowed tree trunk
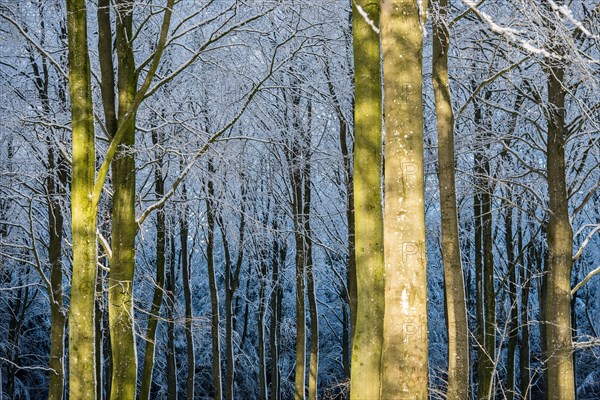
{"points": [[557, 300], [124, 226], [484, 261], [212, 280], [187, 297], [232, 279], [57, 313], [313, 371], [513, 325], [159, 190], [454, 287], [170, 306], [279, 256]]}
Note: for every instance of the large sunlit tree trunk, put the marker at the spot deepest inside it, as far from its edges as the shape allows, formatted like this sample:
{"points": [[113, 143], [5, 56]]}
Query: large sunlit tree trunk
{"points": [[454, 287], [82, 382], [365, 381], [405, 350]]}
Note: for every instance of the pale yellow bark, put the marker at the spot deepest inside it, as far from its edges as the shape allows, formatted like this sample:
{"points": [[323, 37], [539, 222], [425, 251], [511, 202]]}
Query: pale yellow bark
{"points": [[405, 350]]}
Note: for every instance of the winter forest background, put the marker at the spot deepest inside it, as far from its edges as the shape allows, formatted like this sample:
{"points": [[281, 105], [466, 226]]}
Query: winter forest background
{"points": [[226, 260]]}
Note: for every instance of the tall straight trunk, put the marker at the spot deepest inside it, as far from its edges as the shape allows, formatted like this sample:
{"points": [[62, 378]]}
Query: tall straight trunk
{"points": [[478, 255], [262, 307], [313, 371], [365, 378], [124, 227], [187, 296], [82, 382], [513, 325], [557, 300], [346, 151], [295, 158], [232, 279], [159, 190], [57, 313], [300, 373], [170, 351], [484, 264], [454, 287], [489, 293], [214, 294], [279, 255], [405, 352], [19, 305], [524, 277], [56, 183], [107, 90]]}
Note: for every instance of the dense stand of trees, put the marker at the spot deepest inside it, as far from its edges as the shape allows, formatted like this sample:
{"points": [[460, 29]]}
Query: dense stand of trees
{"points": [[276, 200]]}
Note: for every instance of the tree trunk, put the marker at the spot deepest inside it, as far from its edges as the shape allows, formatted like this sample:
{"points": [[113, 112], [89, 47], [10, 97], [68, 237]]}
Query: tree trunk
{"points": [[350, 289], [295, 161], [262, 352], [557, 299], [484, 264], [405, 352], [232, 279], [187, 295], [524, 278], [82, 382], [524, 377], [299, 380], [313, 371], [124, 226], [170, 289], [279, 256], [214, 294], [159, 190], [454, 287], [513, 325], [57, 313], [365, 382]]}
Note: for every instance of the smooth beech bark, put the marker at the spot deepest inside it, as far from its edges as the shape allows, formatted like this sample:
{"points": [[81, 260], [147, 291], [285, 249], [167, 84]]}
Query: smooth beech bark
{"points": [[454, 286], [365, 374], [557, 300], [82, 381], [405, 335]]}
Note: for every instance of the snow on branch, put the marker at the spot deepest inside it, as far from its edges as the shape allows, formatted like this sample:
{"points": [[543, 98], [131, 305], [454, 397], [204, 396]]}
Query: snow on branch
{"points": [[368, 20], [511, 34], [585, 280], [566, 12]]}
